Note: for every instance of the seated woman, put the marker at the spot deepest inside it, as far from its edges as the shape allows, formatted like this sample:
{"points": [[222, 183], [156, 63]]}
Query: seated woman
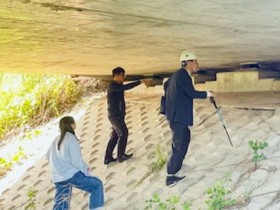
{"points": [[68, 169]]}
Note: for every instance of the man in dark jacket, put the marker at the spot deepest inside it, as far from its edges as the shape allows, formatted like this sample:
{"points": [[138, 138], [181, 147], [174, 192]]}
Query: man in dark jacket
{"points": [[179, 93], [116, 115]]}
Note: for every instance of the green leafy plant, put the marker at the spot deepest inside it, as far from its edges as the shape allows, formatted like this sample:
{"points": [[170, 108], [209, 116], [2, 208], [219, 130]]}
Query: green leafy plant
{"points": [[31, 203], [171, 203], [7, 163], [256, 146], [29, 100], [159, 159], [32, 134], [4, 166], [186, 205], [20, 155], [219, 195]]}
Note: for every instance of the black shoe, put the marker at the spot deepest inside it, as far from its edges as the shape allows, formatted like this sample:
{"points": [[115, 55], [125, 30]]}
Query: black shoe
{"points": [[109, 160], [125, 157], [172, 180]]}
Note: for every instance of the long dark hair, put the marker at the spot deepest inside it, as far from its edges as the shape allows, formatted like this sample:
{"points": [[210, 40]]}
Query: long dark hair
{"points": [[65, 126]]}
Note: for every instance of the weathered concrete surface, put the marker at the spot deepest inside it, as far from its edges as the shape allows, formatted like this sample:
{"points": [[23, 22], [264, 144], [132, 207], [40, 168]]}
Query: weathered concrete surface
{"points": [[243, 81], [129, 184], [144, 36]]}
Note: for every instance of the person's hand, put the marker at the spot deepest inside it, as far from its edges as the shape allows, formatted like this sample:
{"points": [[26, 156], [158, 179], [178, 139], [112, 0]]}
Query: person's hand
{"points": [[146, 81], [143, 81]]}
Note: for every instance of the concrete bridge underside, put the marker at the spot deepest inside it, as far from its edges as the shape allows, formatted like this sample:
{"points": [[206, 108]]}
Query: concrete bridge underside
{"points": [[145, 37]]}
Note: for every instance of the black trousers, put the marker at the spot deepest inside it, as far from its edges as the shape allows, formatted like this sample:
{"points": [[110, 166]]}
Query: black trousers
{"points": [[118, 136], [181, 137]]}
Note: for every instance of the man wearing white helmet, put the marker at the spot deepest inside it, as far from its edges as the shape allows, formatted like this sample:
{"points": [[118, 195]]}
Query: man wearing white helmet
{"points": [[179, 93]]}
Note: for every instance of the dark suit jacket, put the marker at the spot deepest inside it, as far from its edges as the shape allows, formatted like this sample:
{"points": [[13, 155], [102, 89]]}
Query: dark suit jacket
{"points": [[115, 97], [179, 94]]}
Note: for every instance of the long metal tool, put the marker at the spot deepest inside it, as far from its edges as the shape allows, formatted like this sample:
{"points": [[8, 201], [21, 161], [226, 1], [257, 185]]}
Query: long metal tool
{"points": [[212, 100]]}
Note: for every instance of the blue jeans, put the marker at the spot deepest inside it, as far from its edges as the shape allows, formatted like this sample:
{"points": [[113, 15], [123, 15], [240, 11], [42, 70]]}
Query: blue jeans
{"points": [[90, 184]]}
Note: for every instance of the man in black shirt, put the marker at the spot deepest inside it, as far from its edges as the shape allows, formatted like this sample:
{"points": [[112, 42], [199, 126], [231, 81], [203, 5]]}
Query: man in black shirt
{"points": [[116, 115]]}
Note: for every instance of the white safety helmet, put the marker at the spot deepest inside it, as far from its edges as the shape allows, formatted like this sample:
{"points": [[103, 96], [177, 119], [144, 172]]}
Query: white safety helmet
{"points": [[188, 55]]}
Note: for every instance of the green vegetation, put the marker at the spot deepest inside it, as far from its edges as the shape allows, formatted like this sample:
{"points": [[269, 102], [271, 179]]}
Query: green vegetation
{"points": [[31, 134], [28, 100], [31, 203], [248, 192], [6, 164], [256, 146], [159, 159], [219, 195], [171, 203]]}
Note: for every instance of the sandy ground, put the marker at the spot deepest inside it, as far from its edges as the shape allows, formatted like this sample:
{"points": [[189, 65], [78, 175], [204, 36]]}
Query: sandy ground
{"points": [[248, 116]]}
